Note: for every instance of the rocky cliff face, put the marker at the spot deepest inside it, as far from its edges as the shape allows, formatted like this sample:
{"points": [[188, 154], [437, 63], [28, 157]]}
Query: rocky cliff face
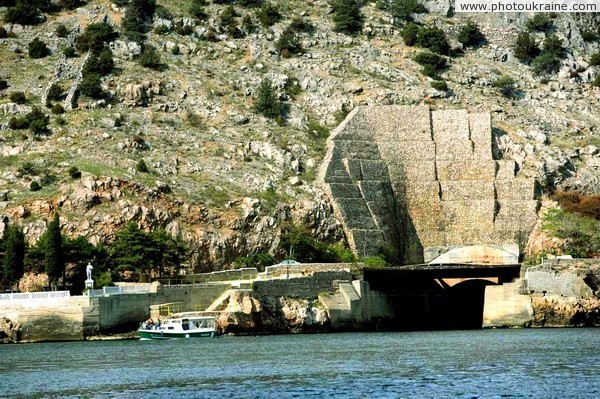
{"points": [[225, 177]]}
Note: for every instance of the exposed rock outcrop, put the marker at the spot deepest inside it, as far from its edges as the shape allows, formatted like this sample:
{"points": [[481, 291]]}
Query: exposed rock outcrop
{"points": [[246, 314], [9, 331]]}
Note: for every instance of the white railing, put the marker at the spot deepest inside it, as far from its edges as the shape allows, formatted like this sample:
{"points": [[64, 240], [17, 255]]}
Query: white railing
{"points": [[127, 289], [24, 296]]}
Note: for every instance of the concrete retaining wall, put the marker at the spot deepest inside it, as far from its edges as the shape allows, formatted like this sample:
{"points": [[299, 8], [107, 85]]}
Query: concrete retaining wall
{"points": [[300, 287]]}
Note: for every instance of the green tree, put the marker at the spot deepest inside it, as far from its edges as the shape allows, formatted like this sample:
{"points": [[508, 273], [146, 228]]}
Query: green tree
{"points": [[101, 64], [14, 254], [77, 252], [434, 39], [150, 58], [410, 33], [526, 48], [505, 85], [268, 14], [347, 17], [403, 9], [553, 45], [267, 102], [137, 14], [133, 250], [37, 49], [288, 43], [170, 252], [470, 35], [91, 86], [96, 37], [540, 23], [23, 13], [53, 254]]}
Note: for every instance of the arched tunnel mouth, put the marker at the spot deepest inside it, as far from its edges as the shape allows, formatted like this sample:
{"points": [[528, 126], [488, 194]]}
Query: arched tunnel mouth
{"points": [[428, 298], [463, 305]]}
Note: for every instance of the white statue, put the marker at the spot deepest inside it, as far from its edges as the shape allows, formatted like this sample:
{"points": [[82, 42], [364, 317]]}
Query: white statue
{"points": [[88, 271]]}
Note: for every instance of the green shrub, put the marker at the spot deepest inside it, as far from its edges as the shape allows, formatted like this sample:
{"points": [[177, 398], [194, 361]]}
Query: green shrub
{"points": [[162, 12], [138, 12], [540, 23], [249, 3], [95, 37], [3, 33], [74, 172], [595, 59], [3, 84], [23, 13], [268, 14], [553, 45], [69, 52], [18, 123], [526, 49], [196, 9], [347, 17], [580, 233], [34, 186], [91, 86], [141, 166], [258, 260], [470, 35], [55, 93], [589, 36], [120, 3], [70, 4], [38, 121], [57, 109], [426, 58], [267, 102], [434, 39], [150, 58], [374, 262], [228, 16], [101, 64], [410, 33], [37, 49], [403, 9], [439, 85], [301, 25], [28, 168], [18, 97], [288, 43], [546, 64], [505, 85], [248, 24], [596, 82], [62, 31]]}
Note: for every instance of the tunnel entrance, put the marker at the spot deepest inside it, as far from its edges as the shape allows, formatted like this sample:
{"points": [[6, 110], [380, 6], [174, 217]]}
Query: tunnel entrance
{"points": [[463, 305], [437, 297]]}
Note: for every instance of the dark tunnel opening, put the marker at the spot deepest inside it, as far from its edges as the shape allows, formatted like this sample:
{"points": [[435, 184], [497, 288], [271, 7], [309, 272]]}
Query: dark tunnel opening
{"points": [[426, 299]]}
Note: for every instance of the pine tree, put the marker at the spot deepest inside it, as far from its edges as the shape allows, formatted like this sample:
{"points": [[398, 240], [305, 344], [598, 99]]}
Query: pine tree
{"points": [[347, 17], [133, 250], [53, 256], [267, 102], [14, 254]]}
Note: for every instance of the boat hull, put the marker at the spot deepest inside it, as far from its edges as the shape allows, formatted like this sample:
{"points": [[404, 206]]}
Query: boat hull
{"points": [[146, 334]]}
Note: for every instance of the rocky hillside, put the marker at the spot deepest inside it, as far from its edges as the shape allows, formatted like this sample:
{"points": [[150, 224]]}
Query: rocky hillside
{"points": [[222, 175]]}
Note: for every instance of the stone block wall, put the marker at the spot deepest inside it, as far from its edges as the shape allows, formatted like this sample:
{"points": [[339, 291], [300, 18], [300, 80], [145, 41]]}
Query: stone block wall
{"points": [[415, 178], [301, 287]]}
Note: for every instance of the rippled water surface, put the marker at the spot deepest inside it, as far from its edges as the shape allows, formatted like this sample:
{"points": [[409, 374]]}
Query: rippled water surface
{"points": [[556, 363]]}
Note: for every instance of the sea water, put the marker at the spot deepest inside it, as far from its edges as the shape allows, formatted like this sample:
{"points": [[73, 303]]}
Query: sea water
{"points": [[529, 363]]}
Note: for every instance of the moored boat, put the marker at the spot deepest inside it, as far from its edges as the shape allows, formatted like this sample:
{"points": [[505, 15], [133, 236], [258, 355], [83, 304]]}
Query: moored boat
{"points": [[179, 325]]}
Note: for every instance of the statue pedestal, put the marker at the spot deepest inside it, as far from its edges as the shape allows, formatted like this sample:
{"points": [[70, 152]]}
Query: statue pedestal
{"points": [[89, 284]]}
